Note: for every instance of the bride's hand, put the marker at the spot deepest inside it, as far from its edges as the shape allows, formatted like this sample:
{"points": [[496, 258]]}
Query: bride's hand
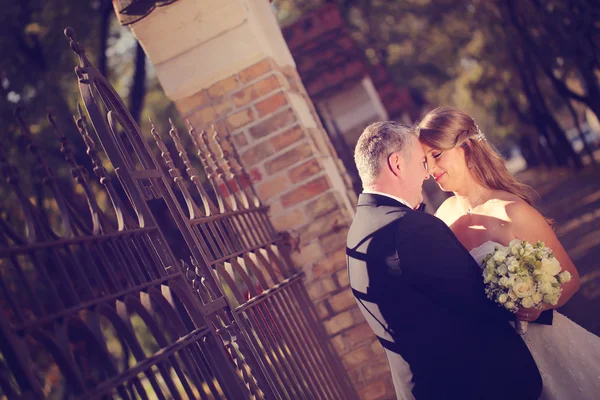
{"points": [[528, 314]]}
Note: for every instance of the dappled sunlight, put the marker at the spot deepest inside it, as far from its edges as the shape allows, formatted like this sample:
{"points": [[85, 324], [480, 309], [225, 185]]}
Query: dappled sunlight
{"points": [[572, 199], [587, 200], [585, 244], [477, 227], [592, 291], [591, 198], [578, 197], [590, 285], [563, 205], [578, 222]]}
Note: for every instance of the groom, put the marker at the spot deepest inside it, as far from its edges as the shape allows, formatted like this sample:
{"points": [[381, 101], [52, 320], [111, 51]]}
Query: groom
{"points": [[421, 291]]}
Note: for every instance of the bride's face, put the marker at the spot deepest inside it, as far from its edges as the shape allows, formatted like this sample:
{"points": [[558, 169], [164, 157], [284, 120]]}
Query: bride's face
{"points": [[447, 167]]}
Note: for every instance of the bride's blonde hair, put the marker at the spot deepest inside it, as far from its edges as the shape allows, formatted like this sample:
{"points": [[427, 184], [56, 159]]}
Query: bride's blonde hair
{"points": [[445, 128]]}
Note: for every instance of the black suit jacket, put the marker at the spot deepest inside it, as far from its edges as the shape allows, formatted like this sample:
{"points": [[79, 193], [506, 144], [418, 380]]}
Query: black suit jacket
{"points": [[423, 295]]}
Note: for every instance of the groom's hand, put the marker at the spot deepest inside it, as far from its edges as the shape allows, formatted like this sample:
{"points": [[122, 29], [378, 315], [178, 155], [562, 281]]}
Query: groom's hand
{"points": [[528, 314]]}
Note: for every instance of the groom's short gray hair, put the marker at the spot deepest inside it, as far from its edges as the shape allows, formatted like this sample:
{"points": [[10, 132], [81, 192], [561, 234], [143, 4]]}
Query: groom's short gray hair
{"points": [[376, 143]]}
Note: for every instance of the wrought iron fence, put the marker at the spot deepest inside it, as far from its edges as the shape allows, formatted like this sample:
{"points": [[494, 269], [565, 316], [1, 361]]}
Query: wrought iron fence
{"points": [[96, 305]]}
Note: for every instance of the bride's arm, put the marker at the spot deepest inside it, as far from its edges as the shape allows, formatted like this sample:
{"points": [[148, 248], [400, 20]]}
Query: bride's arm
{"points": [[528, 224]]}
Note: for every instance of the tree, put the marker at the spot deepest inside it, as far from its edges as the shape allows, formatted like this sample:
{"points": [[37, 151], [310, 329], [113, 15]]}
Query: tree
{"points": [[509, 64], [106, 16], [37, 73], [564, 39], [138, 87], [539, 100]]}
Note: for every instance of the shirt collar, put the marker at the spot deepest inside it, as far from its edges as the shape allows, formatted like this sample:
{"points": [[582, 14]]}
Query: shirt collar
{"points": [[390, 196]]}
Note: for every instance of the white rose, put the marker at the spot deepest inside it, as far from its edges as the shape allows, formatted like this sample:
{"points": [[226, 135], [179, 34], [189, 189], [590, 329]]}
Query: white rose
{"points": [[491, 264], [516, 279], [546, 278], [512, 264], [515, 244], [527, 302], [502, 270], [564, 277], [500, 255], [551, 298], [504, 281], [545, 287], [516, 250], [550, 266], [509, 305], [487, 275], [512, 295], [503, 298], [524, 288], [537, 298]]}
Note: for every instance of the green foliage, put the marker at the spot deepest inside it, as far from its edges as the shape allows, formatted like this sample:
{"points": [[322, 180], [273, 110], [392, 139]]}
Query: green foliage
{"points": [[486, 57], [37, 73]]}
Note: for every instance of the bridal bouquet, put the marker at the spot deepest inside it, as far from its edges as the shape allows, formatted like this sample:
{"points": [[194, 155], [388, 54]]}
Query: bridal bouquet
{"points": [[523, 275]]}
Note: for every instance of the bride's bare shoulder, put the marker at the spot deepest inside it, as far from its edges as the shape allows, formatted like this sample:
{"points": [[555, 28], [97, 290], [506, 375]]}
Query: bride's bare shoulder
{"points": [[515, 208], [506, 197]]}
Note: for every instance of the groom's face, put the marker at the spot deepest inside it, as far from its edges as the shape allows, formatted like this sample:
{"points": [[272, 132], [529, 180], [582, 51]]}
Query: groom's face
{"points": [[416, 173]]}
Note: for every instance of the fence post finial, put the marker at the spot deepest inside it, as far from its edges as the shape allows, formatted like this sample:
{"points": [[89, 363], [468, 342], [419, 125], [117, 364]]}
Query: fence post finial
{"points": [[79, 174]]}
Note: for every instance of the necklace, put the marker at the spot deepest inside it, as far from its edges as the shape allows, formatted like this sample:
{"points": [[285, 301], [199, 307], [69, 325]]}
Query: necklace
{"points": [[470, 209]]}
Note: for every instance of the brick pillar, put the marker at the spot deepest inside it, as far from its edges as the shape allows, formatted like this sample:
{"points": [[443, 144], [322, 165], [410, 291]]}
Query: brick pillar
{"points": [[224, 62]]}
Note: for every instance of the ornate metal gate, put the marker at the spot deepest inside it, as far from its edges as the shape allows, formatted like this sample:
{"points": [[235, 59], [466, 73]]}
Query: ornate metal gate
{"points": [[96, 305]]}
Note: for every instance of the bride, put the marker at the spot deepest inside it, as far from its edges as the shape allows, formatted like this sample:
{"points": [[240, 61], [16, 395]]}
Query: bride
{"points": [[490, 207]]}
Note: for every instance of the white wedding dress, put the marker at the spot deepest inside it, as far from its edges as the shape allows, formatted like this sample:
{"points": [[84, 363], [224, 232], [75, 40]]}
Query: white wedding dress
{"points": [[567, 355]]}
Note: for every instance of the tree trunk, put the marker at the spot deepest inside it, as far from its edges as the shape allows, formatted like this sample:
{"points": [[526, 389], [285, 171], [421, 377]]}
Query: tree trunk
{"points": [[586, 145], [563, 141], [526, 78], [528, 152], [561, 138], [529, 77], [543, 153], [138, 87], [106, 12], [593, 91], [586, 68]]}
